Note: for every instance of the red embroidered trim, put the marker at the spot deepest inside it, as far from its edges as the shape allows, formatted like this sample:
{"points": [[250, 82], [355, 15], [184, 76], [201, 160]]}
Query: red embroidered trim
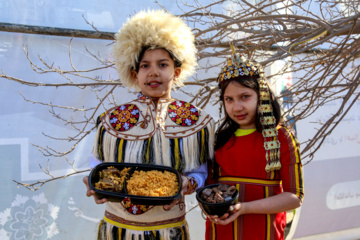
{"points": [[135, 209]]}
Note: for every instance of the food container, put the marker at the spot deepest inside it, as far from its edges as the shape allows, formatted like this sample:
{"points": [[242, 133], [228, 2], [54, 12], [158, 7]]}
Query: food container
{"points": [[218, 209], [135, 199]]}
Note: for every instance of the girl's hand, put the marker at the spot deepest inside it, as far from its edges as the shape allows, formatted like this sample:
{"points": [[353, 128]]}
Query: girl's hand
{"points": [[216, 219], [213, 218], [227, 217], [185, 183], [235, 212], [274, 204], [90, 192]]}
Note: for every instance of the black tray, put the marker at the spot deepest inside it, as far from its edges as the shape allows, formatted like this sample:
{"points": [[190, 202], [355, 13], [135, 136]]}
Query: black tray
{"points": [[135, 199]]}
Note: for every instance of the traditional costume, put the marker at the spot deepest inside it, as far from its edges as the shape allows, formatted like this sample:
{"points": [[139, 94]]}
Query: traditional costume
{"points": [[259, 164], [169, 132]]}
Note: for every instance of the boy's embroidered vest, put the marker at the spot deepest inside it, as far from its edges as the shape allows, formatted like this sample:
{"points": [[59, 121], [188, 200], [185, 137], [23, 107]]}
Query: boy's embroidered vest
{"points": [[173, 133]]}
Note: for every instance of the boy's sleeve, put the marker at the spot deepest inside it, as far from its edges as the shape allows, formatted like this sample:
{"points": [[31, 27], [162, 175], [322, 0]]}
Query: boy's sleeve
{"points": [[94, 161], [199, 174], [96, 152]]}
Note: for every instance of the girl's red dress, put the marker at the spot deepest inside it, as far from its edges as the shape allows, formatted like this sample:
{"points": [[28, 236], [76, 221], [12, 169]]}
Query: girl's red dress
{"points": [[242, 163]]}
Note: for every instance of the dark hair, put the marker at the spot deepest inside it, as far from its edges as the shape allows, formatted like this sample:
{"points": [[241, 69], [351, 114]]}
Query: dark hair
{"points": [[177, 63], [228, 126]]}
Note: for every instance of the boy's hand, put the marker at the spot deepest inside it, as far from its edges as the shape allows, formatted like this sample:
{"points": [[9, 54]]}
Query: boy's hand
{"points": [[90, 192]]}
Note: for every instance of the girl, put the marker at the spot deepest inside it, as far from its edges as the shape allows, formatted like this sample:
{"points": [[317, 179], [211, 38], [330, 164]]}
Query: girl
{"points": [[153, 52], [257, 154]]}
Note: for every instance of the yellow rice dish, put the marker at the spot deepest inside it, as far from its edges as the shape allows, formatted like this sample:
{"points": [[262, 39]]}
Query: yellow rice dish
{"points": [[153, 183]]}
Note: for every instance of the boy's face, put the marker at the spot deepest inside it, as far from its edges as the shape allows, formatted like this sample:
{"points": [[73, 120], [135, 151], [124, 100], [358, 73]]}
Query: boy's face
{"points": [[241, 104], [156, 74]]}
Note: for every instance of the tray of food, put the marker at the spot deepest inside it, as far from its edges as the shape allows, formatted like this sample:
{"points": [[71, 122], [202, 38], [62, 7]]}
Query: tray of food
{"points": [[143, 184]]}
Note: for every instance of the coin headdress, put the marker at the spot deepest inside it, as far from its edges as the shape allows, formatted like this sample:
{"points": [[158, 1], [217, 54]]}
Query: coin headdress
{"points": [[237, 67], [153, 29]]}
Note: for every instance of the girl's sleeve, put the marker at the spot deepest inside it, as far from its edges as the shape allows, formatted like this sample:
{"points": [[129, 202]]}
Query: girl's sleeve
{"points": [[291, 170]]}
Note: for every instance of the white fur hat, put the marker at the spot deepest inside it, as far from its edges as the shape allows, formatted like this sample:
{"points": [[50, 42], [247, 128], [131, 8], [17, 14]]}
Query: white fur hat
{"points": [[156, 29]]}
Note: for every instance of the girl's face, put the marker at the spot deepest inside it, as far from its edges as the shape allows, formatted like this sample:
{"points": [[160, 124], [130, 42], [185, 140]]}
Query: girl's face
{"points": [[241, 104], [156, 74]]}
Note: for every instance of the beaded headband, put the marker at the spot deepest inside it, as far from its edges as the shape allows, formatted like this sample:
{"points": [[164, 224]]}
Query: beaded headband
{"points": [[238, 67]]}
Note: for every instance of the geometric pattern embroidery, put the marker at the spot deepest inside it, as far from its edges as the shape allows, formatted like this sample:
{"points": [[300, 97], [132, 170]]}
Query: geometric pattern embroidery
{"points": [[134, 209], [141, 96], [124, 117], [269, 133], [183, 113], [192, 185], [271, 145]]}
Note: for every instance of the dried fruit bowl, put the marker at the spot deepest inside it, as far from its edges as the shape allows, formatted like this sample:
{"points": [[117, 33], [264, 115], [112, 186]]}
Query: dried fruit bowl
{"points": [[218, 209]]}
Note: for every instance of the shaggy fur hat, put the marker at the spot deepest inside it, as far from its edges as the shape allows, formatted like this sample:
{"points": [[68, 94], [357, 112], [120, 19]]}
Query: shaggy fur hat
{"points": [[156, 29]]}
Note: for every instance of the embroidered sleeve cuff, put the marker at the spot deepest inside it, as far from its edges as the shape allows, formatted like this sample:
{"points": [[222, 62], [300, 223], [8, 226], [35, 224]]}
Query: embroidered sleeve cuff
{"points": [[192, 185]]}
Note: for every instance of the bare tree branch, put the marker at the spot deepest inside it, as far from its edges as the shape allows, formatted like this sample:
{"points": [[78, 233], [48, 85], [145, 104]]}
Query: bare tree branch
{"points": [[320, 50]]}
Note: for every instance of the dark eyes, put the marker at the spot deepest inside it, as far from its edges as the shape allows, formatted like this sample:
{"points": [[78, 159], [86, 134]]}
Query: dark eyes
{"points": [[144, 65], [242, 97], [147, 65]]}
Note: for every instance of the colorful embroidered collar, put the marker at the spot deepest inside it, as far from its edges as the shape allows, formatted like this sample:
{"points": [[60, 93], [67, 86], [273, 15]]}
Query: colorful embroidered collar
{"points": [[141, 96]]}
